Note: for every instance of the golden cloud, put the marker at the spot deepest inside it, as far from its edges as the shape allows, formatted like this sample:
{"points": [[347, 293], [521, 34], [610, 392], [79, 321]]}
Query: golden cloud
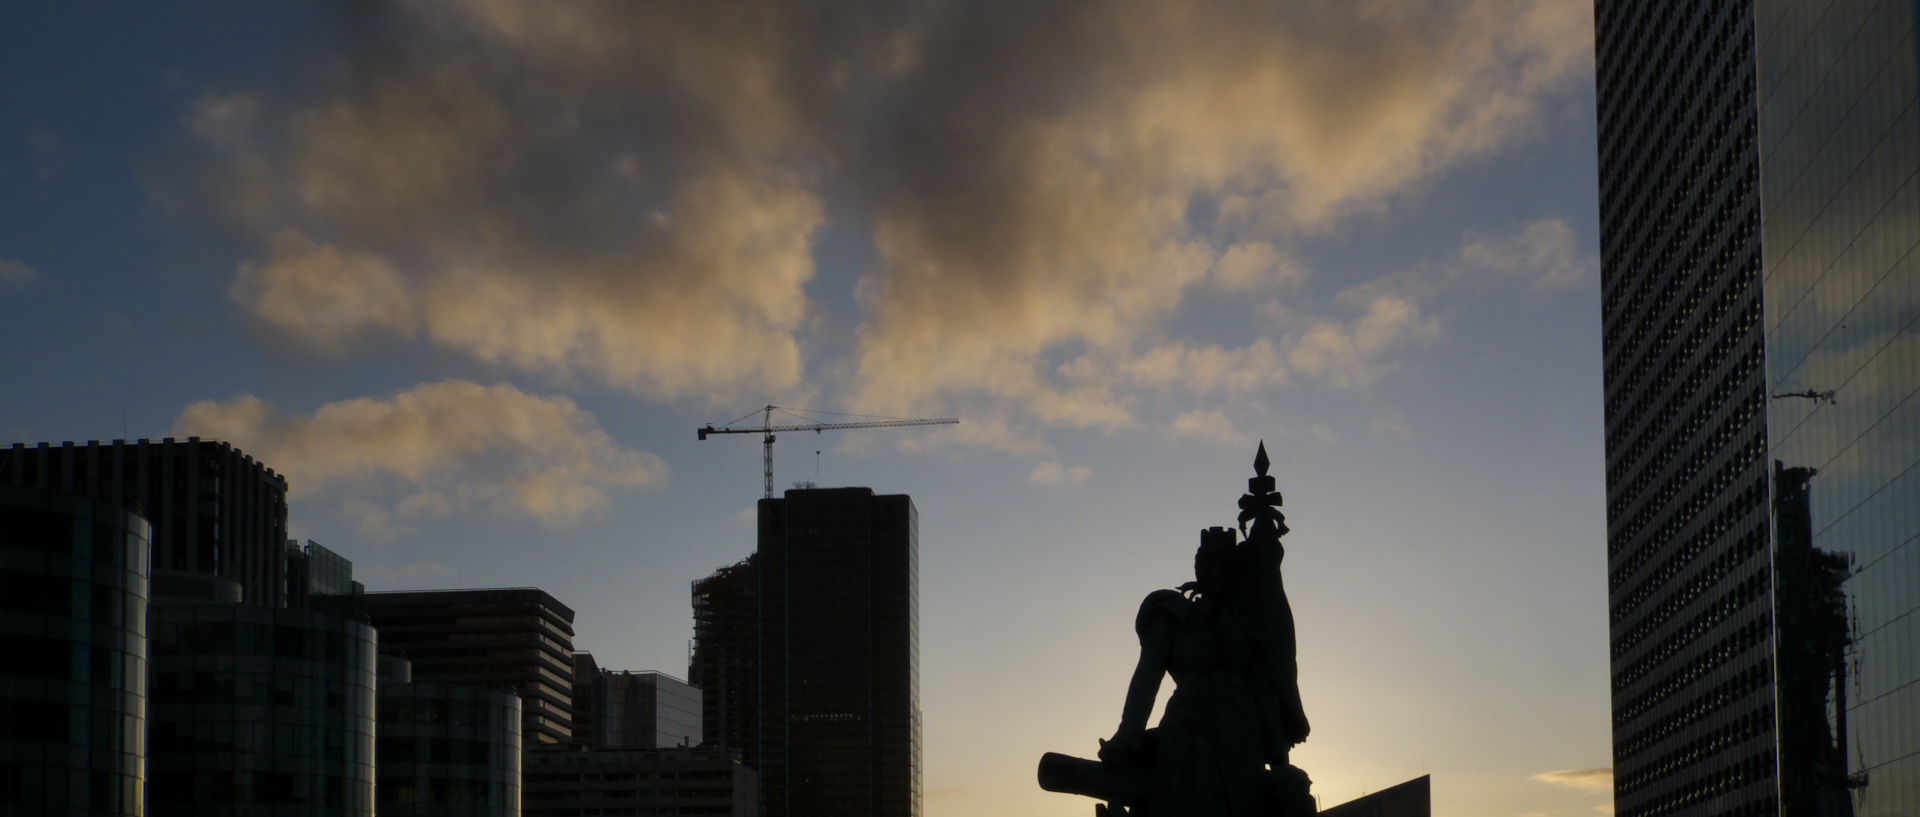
{"points": [[441, 447], [632, 191]]}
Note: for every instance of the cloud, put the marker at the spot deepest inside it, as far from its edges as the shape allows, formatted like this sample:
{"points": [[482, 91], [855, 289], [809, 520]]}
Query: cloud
{"points": [[632, 192], [1255, 265], [1544, 252], [1209, 425], [225, 121], [1031, 217], [324, 297], [1591, 780], [439, 448], [1356, 351], [15, 274], [1052, 473]]}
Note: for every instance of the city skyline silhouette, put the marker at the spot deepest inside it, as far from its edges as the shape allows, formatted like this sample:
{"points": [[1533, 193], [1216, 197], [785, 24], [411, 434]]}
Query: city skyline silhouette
{"points": [[467, 276]]}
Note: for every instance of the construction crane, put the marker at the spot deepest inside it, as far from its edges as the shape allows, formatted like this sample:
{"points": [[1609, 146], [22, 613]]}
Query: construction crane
{"points": [[766, 429]]}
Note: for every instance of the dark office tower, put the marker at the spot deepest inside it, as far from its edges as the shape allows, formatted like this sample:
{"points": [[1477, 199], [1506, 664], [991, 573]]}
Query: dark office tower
{"points": [[726, 659], [1760, 233], [515, 638], [73, 655], [214, 509], [839, 696]]}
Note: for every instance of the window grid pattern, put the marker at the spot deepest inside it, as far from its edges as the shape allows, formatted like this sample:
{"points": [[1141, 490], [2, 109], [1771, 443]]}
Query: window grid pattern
{"points": [[73, 680], [1689, 586]]}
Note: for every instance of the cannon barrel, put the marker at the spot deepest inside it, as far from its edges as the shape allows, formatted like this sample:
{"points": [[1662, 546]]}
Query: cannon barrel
{"points": [[1078, 775]]}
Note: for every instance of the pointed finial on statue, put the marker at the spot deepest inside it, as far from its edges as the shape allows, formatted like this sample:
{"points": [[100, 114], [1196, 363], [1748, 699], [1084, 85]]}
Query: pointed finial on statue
{"points": [[1260, 489]]}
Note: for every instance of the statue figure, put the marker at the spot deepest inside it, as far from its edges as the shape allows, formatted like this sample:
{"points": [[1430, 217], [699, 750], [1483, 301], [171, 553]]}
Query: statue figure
{"points": [[1227, 638]]}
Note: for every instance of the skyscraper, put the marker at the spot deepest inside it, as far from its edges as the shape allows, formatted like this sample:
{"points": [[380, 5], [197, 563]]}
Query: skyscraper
{"points": [[839, 674], [214, 509], [1760, 242]]}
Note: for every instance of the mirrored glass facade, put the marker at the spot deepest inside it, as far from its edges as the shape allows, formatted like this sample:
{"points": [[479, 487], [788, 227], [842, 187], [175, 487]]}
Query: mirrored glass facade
{"points": [[260, 711], [1760, 219], [448, 751], [73, 655], [1839, 103]]}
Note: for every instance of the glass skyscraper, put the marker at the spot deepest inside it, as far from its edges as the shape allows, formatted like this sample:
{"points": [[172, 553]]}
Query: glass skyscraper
{"points": [[1760, 230]]}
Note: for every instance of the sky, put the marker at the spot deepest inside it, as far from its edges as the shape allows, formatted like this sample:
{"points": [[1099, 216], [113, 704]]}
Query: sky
{"points": [[471, 274]]}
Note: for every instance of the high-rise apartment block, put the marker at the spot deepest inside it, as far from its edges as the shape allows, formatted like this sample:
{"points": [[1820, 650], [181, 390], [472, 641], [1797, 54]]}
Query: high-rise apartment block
{"points": [[513, 638], [1760, 239], [839, 675], [214, 510], [725, 665]]}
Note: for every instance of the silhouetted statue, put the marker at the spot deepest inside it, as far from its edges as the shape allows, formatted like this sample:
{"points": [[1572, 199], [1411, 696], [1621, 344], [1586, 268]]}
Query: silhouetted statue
{"points": [[1221, 749]]}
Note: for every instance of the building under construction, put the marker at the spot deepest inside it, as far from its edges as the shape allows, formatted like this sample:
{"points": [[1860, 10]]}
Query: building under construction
{"points": [[725, 664]]}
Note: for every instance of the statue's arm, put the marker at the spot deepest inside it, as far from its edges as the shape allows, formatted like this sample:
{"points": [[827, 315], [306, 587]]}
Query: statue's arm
{"points": [[1155, 643], [1155, 626]]}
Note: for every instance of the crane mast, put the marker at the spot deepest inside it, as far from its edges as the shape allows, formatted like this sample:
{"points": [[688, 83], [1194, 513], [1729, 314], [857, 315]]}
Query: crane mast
{"points": [[766, 430]]}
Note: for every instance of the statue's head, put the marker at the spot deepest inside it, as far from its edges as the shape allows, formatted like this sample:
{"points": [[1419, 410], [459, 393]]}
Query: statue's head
{"points": [[1213, 562]]}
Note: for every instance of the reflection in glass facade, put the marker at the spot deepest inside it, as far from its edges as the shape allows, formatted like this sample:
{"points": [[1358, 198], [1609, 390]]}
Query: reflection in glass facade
{"points": [[73, 650], [260, 711], [448, 751], [1838, 92], [1760, 220], [840, 673]]}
